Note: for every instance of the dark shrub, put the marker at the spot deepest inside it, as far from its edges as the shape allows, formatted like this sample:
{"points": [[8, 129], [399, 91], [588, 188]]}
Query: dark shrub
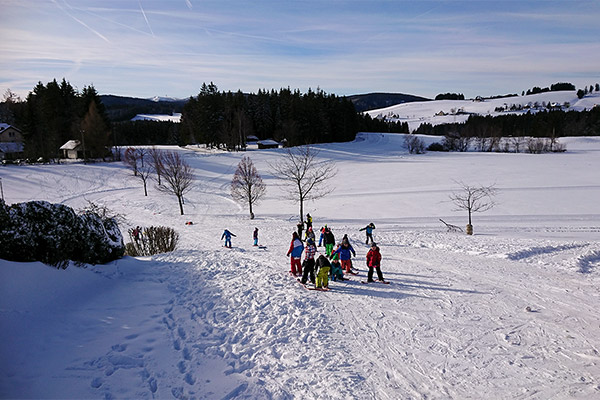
{"points": [[55, 234], [436, 147]]}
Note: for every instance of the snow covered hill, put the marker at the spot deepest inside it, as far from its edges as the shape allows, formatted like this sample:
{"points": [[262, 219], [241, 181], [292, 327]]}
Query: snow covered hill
{"points": [[450, 111], [510, 312]]}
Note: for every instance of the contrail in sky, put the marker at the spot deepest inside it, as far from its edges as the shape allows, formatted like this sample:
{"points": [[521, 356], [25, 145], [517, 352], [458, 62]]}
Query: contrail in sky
{"points": [[80, 21], [146, 18]]}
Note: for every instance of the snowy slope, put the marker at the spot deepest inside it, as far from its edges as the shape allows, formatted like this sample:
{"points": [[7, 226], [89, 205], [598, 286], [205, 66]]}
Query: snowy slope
{"points": [[417, 113], [209, 322]]}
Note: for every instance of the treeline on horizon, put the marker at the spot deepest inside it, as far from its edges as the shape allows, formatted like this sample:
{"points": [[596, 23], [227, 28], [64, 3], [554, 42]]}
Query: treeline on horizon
{"points": [[224, 118], [542, 124], [54, 113]]}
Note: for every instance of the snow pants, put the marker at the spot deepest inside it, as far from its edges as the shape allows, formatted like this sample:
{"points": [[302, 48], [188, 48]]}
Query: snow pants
{"points": [[295, 265], [322, 277], [308, 266], [369, 236], [346, 265], [227, 242], [328, 249], [370, 273]]}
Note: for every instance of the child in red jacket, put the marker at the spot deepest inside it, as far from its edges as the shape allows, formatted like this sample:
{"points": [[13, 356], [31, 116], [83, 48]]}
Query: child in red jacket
{"points": [[374, 261]]}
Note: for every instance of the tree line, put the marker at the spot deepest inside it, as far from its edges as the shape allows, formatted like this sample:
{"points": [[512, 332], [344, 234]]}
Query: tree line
{"points": [[225, 119], [541, 124], [55, 113]]}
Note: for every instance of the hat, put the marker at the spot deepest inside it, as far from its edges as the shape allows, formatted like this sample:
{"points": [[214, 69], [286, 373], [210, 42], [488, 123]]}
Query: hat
{"points": [[373, 244]]}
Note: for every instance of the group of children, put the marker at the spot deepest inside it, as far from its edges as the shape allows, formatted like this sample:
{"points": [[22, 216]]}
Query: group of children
{"points": [[335, 262], [331, 265]]}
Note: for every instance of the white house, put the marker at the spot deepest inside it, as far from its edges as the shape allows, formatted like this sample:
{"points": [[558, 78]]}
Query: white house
{"points": [[72, 149]]}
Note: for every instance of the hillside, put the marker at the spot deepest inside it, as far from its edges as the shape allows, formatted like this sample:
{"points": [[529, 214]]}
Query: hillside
{"points": [[371, 101], [449, 111], [510, 312], [119, 108]]}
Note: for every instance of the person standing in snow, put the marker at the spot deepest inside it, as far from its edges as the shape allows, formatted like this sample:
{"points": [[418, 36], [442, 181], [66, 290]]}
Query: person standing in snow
{"points": [[374, 261], [295, 253], [345, 251], [310, 234], [322, 235], [227, 235], [300, 227], [322, 265], [308, 265], [255, 236], [329, 241], [369, 231], [308, 221]]}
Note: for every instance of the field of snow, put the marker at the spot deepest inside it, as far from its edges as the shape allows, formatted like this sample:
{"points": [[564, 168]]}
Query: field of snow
{"points": [[447, 111], [209, 322]]}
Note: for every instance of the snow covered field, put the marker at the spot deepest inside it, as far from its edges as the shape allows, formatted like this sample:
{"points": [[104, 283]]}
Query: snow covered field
{"points": [[208, 322]]}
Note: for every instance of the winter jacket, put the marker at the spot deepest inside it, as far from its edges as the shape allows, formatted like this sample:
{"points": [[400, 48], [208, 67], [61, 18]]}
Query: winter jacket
{"points": [[328, 237], [321, 262], [344, 252], [310, 251], [296, 248], [227, 235], [374, 257], [369, 228]]}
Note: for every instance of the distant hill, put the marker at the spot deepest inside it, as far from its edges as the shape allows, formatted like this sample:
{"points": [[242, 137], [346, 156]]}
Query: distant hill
{"points": [[121, 108], [373, 101]]}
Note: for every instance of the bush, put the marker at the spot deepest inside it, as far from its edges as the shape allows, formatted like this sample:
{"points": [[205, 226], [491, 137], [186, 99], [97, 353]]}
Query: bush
{"points": [[55, 234], [436, 147], [152, 240], [414, 144]]}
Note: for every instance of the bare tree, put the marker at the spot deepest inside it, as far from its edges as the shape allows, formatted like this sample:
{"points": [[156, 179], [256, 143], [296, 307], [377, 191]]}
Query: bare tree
{"points": [[247, 186], [474, 199], [304, 174], [177, 177], [156, 156], [132, 159], [144, 173]]}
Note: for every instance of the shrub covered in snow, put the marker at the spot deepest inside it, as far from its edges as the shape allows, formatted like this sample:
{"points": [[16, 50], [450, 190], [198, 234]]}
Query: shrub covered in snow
{"points": [[55, 234]]}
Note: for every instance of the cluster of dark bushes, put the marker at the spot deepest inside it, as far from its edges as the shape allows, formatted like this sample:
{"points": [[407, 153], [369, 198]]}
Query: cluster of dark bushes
{"points": [[55, 234]]}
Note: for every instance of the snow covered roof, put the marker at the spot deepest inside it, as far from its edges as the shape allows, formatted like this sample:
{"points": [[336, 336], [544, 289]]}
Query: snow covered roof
{"points": [[4, 126], [70, 145], [268, 142]]}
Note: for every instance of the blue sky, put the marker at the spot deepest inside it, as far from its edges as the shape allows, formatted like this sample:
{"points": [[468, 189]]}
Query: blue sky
{"points": [[144, 48]]}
